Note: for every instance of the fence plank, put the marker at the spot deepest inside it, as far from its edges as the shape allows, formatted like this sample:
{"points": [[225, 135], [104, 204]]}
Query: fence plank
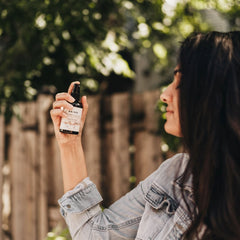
{"points": [[55, 183], [54, 171], [31, 178], [2, 136], [118, 161], [92, 141], [147, 144], [107, 151], [16, 180], [23, 179], [44, 103], [55, 218]]}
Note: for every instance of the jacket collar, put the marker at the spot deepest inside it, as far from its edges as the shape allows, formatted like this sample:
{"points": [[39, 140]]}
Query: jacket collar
{"points": [[187, 186]]}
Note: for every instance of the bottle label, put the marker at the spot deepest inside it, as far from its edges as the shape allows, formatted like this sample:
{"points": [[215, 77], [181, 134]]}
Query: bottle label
{"points": [[72, 121]]}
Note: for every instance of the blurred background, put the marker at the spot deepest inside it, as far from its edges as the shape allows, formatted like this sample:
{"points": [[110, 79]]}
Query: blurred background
{"points": [[123, 53]]}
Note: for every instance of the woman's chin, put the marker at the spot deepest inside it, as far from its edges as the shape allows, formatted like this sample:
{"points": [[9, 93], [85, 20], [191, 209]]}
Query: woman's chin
{"points": [[172, 130]]}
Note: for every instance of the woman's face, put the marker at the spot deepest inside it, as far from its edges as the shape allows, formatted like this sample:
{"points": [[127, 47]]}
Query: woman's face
{"points": [[171, 97]]}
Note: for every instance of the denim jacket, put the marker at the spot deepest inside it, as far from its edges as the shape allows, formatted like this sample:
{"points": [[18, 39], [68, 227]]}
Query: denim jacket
{"points": [[152, 210]]}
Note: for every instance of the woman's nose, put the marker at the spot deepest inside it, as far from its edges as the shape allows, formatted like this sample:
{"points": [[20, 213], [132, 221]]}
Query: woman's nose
{"points": [[165, 97]]}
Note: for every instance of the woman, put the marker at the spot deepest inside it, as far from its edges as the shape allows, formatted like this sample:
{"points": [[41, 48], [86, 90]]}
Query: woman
{"points": [[194, 195]]}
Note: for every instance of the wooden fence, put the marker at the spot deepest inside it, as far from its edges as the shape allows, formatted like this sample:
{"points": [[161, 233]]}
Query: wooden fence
{"points": [[120, 141]]}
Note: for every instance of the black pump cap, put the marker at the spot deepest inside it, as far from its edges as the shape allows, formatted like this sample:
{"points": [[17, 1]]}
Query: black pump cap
{"points": [[76, 91]]}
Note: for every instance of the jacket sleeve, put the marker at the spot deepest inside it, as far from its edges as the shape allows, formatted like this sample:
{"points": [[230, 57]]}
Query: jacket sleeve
{"points": [[87, 221]]}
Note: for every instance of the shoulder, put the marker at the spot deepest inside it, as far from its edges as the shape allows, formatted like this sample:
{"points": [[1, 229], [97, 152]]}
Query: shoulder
{"points": [[177, 162], [172, 168], [170, 171]]}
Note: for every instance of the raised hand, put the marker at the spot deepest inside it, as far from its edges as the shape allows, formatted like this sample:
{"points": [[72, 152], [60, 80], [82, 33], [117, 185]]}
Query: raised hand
{"points": [[62, 103]]}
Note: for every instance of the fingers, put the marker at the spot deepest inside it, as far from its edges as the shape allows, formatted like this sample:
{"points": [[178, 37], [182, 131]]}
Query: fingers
{"points": [[62, 104], [64, 96], [85, 108], [71, 86], [84, 102], [57, 113]]}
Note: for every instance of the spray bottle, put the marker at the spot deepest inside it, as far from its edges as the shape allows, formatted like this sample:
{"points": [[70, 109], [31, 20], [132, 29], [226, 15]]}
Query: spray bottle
{"points": [[71, 123]]}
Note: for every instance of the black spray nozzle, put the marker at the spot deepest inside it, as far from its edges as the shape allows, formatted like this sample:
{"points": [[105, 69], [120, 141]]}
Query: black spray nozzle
{"points": [[76, 91]]}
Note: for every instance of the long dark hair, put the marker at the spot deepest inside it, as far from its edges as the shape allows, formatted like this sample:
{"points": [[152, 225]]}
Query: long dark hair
{"points": [[210, 123]]}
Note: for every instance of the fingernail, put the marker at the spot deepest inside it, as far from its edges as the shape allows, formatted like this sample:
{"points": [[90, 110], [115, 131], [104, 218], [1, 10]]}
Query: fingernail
{"points": [[72, 99]]}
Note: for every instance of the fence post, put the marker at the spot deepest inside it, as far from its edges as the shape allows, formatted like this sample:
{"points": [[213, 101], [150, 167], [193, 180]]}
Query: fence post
{"points": [[54, 180], [22, 155], [44, 103], [118, 167], [147, 156], [92, 141], [2, 136]]}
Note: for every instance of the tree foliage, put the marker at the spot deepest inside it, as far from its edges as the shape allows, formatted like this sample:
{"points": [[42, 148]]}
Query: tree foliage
{"points": [[53, 42], [58, 234]]}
